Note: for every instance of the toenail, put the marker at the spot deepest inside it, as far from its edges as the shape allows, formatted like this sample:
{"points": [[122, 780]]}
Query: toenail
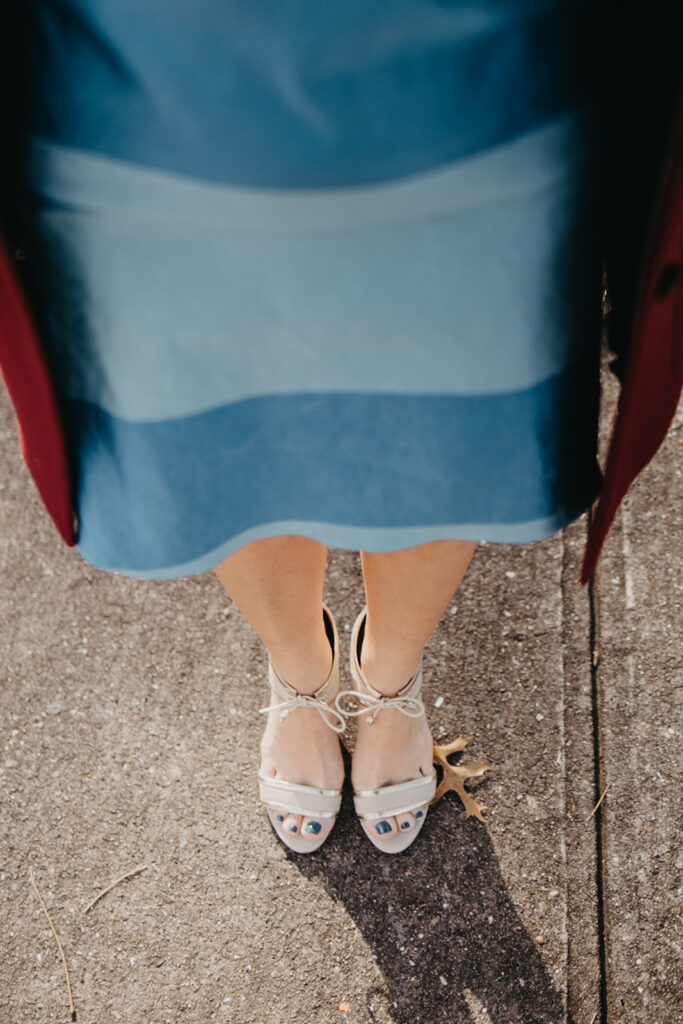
{"points": [[405, 824], [292, 828], [383, 827], [314, 827], [418, 814], [280, 817]]}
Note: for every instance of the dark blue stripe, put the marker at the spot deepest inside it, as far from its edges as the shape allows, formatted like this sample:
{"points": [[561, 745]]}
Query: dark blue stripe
{"points": [[160, 494], [302, 94]]}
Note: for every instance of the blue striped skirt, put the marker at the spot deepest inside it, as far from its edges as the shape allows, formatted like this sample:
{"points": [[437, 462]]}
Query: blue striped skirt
{"points": [[329, 270]]}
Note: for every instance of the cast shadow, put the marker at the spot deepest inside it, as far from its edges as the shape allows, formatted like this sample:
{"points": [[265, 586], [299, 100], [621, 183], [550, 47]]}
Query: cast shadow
{"points": [[439, 921]]}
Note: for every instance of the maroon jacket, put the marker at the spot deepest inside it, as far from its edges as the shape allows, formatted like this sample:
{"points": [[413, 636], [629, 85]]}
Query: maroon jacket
{"points": [[653, 374]]}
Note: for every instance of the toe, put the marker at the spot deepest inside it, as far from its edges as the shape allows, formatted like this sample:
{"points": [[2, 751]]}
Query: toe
{"points": [[291, 824], [385, 828], [315, 828], [405, 821], [420, 813]]}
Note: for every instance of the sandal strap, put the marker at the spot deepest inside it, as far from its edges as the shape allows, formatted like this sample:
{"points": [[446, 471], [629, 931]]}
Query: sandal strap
{"points": [[323, 698], [292, 798], [386, 801], [407, 700], [331, 716], [409, 706]]}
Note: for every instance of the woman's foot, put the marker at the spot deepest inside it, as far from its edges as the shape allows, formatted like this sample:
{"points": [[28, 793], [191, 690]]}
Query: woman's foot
{"points": [[300, 747], [394, 747], [303, 750]]}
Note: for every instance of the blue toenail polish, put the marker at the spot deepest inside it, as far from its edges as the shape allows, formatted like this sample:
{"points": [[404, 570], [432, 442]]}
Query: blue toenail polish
{"points": [[314, 827], [280, 817], [405, 824], [383, 827], [292, 828], [418, 814]]}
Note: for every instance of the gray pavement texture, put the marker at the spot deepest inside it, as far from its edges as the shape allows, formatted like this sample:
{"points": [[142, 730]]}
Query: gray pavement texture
{"points": [[130, 737]]}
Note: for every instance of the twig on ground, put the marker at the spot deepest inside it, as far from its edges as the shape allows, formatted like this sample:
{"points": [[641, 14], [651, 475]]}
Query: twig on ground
{"points": [[129, 874], [72, 1008], [604, 792]]}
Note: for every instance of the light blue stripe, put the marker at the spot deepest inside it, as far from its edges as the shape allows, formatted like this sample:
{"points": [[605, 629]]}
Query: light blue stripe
{"points": [[105, 187], [157, 316], [363, 538]]}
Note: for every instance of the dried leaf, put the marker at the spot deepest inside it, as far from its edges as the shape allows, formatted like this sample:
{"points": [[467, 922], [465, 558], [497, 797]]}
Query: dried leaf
{"points": [[455, 777]]}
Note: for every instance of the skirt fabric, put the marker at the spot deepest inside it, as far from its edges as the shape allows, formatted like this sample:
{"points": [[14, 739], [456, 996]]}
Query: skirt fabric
{"points": [[329, 270]]}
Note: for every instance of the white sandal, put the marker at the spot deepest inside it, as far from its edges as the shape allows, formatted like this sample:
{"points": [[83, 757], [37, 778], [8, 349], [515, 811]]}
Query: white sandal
{"points": [[387, 801], [281, 797]]}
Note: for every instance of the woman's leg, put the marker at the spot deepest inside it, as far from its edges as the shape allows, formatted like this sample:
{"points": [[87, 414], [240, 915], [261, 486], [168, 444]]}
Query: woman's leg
{"points": [[407, 593], [277, 584]]}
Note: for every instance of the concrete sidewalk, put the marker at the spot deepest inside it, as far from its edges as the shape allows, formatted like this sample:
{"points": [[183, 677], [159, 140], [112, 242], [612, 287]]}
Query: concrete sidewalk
{"points": [[130, 737]]}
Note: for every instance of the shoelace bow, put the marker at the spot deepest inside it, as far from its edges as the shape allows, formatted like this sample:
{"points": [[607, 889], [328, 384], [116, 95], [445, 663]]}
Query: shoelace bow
{"points": [[304, 700], [410, 706]]}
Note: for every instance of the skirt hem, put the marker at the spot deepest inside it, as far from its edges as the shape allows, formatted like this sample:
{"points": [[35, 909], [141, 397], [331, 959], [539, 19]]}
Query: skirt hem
{"points": [[357, 538]]}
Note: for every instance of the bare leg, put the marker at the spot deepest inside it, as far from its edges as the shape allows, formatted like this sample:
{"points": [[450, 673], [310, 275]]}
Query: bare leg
{"points": [[407, 593], [277, 584]]}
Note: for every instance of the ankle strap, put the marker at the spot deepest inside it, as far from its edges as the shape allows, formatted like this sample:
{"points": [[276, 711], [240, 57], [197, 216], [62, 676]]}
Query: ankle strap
{"points": [[329, 713], [322, 699], [410, 706], [407, 700]]}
